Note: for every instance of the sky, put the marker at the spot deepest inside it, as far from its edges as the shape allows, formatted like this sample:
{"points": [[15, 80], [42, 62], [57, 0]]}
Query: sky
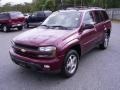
{"points": [[14, 1]]}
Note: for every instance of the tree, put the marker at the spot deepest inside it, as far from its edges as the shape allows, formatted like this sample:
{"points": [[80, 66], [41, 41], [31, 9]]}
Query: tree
{"points": [[56, 5], [19, 7]]}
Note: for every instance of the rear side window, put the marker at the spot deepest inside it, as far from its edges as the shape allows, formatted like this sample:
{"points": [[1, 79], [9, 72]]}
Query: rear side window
{"points": [[40, 14], [47, 13], [105, 16], [88, 19], [14, 15], [98, 17], [4, 16]]}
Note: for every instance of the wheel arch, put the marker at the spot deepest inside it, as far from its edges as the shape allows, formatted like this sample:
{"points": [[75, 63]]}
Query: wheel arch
{"points": [[73, 45]]}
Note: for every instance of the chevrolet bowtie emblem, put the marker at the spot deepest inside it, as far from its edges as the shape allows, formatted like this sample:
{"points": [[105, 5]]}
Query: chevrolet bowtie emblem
{"points": [[23, 50]]}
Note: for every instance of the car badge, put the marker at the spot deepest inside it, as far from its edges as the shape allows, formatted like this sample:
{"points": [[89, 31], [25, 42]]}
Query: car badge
{"points": [[23, 50]]}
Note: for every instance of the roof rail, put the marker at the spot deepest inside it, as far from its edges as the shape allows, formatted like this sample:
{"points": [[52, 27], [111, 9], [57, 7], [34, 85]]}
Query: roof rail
{"points": [[82, 7]]}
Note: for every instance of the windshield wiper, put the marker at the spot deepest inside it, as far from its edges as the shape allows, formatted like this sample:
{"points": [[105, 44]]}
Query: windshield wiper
{"points": [[63, 27], [44, 25]]}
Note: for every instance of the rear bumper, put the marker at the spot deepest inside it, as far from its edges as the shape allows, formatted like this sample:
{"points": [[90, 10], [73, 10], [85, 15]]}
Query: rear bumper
{"points": [[49, 66]]}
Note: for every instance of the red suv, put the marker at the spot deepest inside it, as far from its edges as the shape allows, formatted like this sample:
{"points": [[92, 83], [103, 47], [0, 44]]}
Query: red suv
{"points": [[58, 44], [10, 20]]}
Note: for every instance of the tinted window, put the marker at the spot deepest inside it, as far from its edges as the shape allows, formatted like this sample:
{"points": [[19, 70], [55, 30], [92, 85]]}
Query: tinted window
{"points": [[47, 13], [105, 16], [88, 19], [38, 14], [4, 16], [16, 15], [67, 19], [98, 16]]}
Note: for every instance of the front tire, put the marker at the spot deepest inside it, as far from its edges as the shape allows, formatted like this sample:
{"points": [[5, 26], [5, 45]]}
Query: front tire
{"points": [[5, 28], [70, 64], [105, 43]]}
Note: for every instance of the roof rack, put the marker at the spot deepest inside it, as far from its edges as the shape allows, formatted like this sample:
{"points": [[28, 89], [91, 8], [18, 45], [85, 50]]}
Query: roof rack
{"points": [[82, 7]]}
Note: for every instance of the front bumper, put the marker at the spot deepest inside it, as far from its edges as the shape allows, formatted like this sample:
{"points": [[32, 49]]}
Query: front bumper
{"points": [[16, 25], [41, 65]]}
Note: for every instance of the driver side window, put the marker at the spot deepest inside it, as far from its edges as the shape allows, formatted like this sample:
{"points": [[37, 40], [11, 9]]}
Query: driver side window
{"points": [[88, 18]]}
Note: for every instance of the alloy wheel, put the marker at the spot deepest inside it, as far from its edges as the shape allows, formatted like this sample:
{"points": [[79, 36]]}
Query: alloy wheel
{"points": [[71, 64]]}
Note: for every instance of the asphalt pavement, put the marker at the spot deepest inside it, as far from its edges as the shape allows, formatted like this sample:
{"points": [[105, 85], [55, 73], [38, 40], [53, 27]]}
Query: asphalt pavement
{"points": [[98, 70]]}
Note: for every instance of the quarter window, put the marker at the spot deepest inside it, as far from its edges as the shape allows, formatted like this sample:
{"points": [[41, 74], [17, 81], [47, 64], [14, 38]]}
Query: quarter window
{"points": [[105, 16]]}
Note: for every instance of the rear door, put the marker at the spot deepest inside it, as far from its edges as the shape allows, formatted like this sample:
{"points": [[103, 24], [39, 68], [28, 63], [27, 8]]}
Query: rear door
{"points": [[37, 17], [107, 21], [99, 25], [88, 37]]}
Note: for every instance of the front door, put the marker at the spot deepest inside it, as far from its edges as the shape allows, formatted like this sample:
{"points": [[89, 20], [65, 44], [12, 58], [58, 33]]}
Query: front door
{"points": [[88, 36]]}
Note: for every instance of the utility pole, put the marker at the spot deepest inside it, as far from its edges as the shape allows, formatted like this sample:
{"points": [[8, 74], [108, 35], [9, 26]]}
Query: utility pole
{"points": [[81, 2], [62, 4], [0, 3], [74, 3]]}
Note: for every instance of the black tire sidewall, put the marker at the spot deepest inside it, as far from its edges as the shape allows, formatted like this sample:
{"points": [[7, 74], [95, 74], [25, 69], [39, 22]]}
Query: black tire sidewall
{"points": [[20, 28], [102, 46], [64, 72], [26, 25]]}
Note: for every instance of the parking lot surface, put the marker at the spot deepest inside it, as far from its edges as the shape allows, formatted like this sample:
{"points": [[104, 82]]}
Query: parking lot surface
{"points": [[98, 70]]}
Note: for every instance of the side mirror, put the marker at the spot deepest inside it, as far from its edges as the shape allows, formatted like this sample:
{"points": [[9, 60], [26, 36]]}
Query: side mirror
{"points": [[87, 26]]}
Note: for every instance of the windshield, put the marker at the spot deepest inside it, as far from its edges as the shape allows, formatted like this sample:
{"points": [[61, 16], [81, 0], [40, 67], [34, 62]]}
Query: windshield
{"points": [[15, 15], [67, 19]]}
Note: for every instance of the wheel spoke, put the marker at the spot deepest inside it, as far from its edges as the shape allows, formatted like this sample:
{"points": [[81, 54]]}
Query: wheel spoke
{"points": [[71, 64], [106, 41]]}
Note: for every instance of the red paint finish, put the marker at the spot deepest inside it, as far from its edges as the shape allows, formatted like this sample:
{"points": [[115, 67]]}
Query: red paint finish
{"points": [[63, 40], [12, 19]]}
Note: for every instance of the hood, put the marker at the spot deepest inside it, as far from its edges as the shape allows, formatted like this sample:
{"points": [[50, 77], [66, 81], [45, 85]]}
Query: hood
{"points": [[42, 37]]}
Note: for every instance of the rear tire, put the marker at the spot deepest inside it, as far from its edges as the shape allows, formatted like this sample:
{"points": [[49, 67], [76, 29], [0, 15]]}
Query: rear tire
{"points": [[105, 43], [70, 64], [26, 25], [20, 28]]}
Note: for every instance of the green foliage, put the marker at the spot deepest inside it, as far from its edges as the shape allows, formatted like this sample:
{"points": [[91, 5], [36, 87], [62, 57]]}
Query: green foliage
{"points": [[50, 4], [23, 8], [44, 4], [56, 4]]}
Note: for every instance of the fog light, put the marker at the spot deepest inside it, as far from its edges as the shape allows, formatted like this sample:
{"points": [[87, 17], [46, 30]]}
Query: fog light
{"points": [[46, 66]]}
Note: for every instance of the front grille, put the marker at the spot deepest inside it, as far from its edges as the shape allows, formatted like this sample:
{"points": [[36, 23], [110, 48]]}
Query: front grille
{"points": [[26, 47], [27, 54], [31, 51]]}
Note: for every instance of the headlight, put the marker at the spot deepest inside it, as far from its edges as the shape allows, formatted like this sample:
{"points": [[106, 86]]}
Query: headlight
{"points": [[48, 51]]}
